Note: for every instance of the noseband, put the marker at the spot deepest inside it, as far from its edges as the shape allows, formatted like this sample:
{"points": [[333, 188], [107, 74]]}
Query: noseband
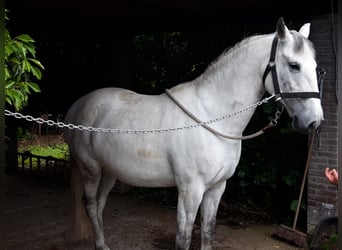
{"points": [[278, 95]]}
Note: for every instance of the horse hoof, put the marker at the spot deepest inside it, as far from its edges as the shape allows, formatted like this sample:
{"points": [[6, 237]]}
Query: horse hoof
{"points": [[102, 248]]}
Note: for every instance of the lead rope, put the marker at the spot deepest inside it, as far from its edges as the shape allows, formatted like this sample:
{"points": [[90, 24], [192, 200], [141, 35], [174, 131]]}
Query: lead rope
{"points": [[272, 123], [304, 178]]}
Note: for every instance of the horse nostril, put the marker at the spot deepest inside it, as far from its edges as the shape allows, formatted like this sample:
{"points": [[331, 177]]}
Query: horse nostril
{"points": [[302, 127], [312, 126]]}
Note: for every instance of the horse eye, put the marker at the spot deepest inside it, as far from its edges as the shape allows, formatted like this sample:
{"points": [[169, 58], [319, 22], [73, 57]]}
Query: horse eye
{"points": [[294, 66]]}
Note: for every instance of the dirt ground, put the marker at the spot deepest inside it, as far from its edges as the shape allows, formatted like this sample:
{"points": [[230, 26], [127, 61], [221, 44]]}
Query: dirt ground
{"points": [[37, 212]]}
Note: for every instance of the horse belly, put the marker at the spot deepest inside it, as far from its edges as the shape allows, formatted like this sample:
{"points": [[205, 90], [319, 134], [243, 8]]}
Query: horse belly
{"points": [[143, 175], [139, 166]]}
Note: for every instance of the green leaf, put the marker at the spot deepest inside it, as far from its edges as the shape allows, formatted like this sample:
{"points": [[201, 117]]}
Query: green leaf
{"points": [[20, 50], [9, 49], [8, 100], [6, 17], [14, 60], [9, 84], [34, 86], [31, 49], [38, 63], [7, 73], [293, 205], [7, 36], [36, 72], [16, 72], [24, 88], [23, 51], [26, 66], [24, 38]]}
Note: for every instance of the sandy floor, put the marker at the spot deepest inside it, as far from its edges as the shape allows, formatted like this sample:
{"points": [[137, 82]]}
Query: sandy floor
{"points": [[37, 218]]}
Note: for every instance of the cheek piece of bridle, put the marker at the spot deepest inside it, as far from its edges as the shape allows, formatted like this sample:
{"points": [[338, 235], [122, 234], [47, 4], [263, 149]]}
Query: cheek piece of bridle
{"points": [[278, 95]]}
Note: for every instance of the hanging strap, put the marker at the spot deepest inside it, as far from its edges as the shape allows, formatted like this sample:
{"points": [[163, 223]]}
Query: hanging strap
{"points": [[272, 123]]}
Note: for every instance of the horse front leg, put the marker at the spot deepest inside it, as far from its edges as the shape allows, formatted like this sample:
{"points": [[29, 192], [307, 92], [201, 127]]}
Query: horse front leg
{"points": [[189, 200], [209, 207]]}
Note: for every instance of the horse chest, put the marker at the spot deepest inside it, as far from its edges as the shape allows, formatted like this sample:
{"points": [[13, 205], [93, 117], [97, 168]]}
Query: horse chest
{"points": [[208, 161]]}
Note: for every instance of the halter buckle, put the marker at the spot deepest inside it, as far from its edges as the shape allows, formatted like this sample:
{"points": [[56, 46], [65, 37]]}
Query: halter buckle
{"points": [[271, 64], [277, 97]]}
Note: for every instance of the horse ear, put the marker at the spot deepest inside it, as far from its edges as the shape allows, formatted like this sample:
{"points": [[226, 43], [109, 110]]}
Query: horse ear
{"points": [[282, 30], [305, 30]]}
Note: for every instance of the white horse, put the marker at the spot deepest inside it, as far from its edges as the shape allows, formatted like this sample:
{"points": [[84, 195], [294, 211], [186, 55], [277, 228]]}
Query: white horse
{"points": [[196, 161]]}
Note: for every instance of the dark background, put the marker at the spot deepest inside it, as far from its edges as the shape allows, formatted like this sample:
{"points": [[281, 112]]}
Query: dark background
{"points": [[85, 45]]}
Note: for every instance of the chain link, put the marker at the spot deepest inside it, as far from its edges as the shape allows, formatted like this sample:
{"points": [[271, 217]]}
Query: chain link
{"points": [[131, 131]]}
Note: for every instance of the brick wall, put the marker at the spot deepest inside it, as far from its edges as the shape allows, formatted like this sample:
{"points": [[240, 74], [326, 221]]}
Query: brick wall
{"points": [[322, 196]]}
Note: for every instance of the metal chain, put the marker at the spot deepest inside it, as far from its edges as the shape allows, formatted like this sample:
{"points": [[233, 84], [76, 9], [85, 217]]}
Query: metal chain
{"points": [[131, 131]]}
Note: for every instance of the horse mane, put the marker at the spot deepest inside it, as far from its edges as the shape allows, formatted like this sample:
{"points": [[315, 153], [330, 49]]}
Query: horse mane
{"points": [[229, 55]]}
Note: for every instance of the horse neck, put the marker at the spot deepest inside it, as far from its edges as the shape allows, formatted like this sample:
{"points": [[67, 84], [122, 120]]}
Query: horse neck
{"points": [[234, 81]]}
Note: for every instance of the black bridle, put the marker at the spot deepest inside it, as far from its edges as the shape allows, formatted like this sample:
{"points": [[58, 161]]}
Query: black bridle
{"points": [[278, 95]]}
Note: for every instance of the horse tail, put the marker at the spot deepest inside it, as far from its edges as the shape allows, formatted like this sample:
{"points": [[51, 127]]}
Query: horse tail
{"points": [[80, 222]]}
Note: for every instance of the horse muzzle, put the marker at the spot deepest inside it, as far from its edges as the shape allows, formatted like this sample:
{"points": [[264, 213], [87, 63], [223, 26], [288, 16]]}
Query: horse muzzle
{"points": [[305, 126]]}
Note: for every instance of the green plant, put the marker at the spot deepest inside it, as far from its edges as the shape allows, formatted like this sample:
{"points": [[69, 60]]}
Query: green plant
{"points": [[156, 56], [21, 66], [59, 151], [331, 243]]}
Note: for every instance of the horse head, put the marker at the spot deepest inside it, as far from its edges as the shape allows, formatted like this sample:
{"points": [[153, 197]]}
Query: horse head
{"points": [[293, 78]]}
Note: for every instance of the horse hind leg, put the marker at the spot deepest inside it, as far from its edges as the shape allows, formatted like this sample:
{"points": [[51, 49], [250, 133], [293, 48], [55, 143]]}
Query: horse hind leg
{"points": [[209, 207], [92, 178], [80, 223], [106, 185]]}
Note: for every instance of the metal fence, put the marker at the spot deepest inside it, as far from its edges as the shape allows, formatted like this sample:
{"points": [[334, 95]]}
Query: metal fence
{"points": [[42, 166]]}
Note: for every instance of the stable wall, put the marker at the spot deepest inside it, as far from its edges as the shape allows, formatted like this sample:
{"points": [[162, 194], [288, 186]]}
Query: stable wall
{"points": [[322, 196]]}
